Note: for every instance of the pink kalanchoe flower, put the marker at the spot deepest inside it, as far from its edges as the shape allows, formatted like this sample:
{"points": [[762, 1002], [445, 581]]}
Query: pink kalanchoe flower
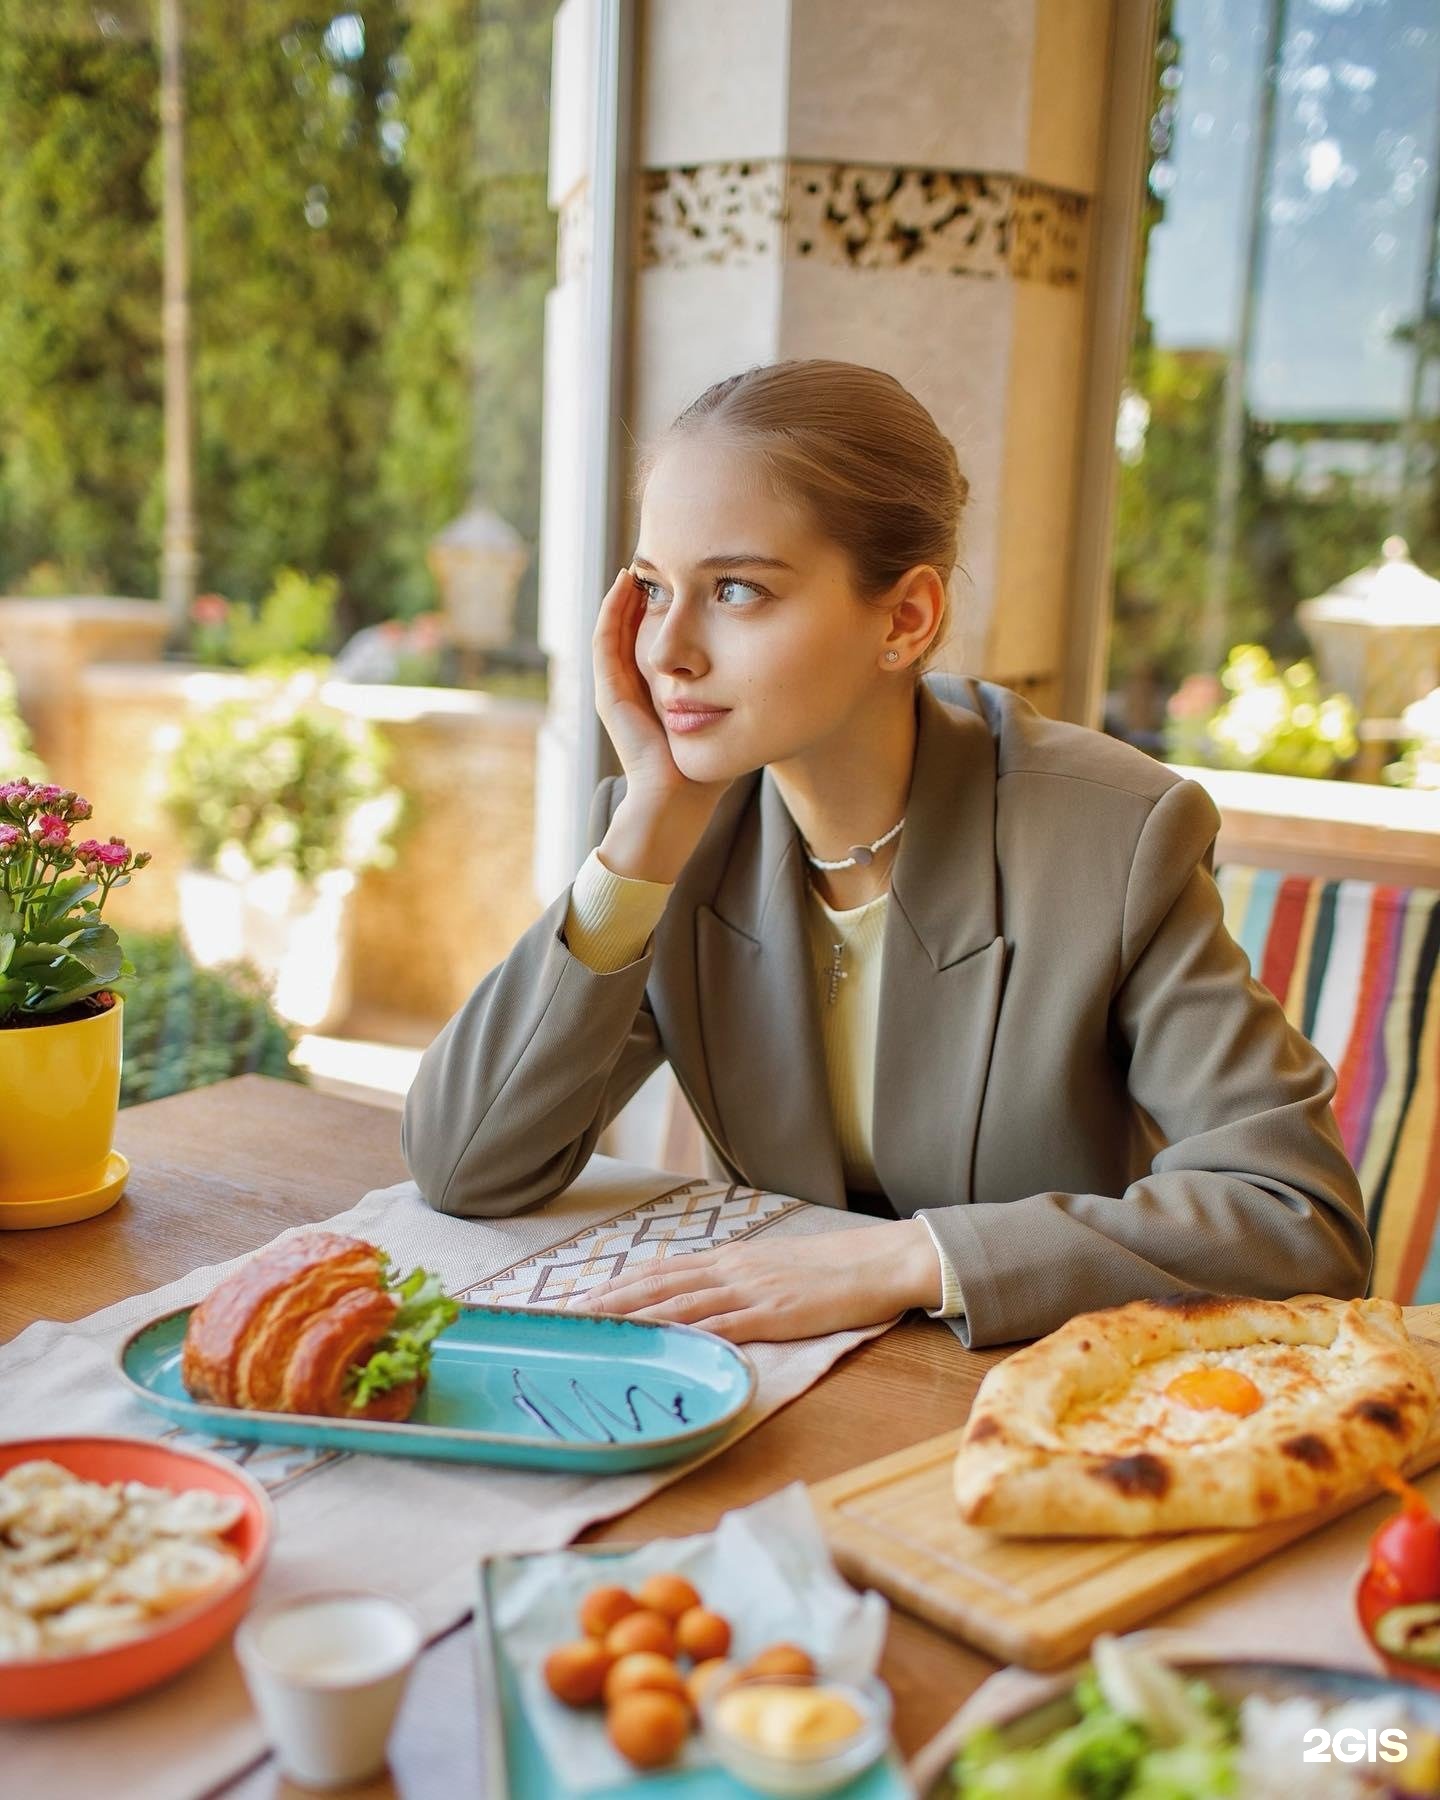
{"points": [[10, 835], [113, 854], [14, 791], [80, 808], [46, 795], [50, 830]]}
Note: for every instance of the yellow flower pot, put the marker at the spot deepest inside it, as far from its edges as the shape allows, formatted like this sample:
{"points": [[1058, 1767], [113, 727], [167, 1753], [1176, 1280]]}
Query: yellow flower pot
{"points": [[60, 1090]]}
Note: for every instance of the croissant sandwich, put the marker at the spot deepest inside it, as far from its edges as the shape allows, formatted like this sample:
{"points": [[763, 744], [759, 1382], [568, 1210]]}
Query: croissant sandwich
{"points": [[320, 1324]]}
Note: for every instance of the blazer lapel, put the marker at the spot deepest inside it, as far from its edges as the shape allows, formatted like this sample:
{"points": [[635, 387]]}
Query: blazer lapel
{"points": [[758, 1010], [940, 991], [944, 964]]}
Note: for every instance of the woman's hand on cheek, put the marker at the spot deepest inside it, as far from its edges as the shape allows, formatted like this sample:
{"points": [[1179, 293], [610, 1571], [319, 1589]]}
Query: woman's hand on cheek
{"points": [[773, 1289]]}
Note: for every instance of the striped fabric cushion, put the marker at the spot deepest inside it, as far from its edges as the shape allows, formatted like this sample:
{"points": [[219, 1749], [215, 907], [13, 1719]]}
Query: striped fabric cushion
{"points": [[1354, 965]]}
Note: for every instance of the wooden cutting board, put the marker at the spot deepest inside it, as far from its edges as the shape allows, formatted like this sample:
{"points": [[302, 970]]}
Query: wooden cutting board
{"points": [[892, 1525]]}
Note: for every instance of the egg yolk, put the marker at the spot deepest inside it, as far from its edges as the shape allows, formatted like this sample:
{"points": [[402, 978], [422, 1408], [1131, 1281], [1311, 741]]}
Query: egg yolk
{"points": [[1226, 1389]]}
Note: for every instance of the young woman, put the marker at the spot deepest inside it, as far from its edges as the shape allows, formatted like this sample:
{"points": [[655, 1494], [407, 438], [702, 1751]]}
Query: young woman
{"points": [[907, 945]]}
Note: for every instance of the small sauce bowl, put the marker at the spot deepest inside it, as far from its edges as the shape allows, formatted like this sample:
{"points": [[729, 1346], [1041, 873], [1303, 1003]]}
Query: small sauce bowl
{"points": [[806, 1770]]}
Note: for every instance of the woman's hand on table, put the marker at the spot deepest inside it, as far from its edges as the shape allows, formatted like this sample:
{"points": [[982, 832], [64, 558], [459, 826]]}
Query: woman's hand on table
{"points": [[772, 1289]]}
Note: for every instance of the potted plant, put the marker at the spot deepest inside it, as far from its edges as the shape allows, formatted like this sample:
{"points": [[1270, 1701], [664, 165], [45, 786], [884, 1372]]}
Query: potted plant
{"points": [[281, 802], [60, 1014]]}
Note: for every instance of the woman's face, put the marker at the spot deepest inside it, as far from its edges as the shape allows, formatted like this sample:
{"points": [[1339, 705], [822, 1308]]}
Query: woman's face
{"points": [[749, 610]]}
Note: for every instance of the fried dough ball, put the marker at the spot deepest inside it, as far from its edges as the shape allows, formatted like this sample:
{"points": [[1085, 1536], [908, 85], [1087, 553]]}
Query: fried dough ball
{"points": [[648, 1728], [671, 1595], [575, 1673], [702, 1634], [641, 1631], [701, 1677], [603, 1607], [643, 1671], [781, 1659]]}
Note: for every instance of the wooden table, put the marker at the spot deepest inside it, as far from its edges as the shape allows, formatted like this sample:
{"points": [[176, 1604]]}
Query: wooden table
{"points": [[226, 1168]]}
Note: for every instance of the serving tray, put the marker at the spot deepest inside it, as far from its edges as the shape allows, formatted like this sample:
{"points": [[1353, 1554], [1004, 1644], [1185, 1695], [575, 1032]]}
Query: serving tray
{"points": [[893, 1525], [515, 1761], [534, 1389]]}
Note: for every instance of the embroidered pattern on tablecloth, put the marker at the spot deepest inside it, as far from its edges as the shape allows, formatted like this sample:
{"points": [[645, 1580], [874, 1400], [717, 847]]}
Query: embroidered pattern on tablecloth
{"points": [[696, 1215]]}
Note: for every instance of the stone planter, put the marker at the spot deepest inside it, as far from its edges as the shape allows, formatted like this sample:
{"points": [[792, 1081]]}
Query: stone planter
{"points": [[297, 934]]}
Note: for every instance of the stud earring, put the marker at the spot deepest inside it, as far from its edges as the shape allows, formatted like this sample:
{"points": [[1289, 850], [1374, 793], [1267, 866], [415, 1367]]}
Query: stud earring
{"points": [[892, 656]]}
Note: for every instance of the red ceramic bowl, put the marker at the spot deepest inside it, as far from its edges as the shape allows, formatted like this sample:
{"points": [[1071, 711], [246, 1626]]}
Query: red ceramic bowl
{"points": [[1372, 1599], [68, 1684]]}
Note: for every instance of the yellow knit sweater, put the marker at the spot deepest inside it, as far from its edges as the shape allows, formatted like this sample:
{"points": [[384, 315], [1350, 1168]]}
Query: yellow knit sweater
{"points": [[609, 922]]}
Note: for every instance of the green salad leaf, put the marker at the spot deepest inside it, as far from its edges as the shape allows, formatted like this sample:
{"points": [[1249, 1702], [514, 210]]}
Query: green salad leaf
{"points": [[403, 1354], [1108, 1753]]}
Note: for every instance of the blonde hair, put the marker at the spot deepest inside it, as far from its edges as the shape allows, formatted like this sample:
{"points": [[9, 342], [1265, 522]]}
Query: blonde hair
{"points": [[858, 451]]}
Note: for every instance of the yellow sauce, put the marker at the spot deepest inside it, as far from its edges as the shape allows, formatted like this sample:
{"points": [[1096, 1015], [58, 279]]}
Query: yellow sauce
{"points": [[788, 1720]]}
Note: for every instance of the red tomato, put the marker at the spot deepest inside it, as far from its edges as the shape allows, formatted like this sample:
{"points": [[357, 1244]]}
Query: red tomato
{"points": [[1372, 1598], [1405, 1551]]}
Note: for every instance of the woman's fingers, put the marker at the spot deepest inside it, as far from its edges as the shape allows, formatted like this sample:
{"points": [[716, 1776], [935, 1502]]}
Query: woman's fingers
{"points": [[622, 694], [654, 1281], [615, 631], [747, 1325], [688, 1309], [677, 1268]]}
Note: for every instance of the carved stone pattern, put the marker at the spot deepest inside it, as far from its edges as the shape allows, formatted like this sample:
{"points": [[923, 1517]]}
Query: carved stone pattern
{"points": [[717, 213], [941, 221]]}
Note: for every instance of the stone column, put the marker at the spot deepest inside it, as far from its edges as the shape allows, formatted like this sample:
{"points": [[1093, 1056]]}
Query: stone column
{"points": [[911, 186]]}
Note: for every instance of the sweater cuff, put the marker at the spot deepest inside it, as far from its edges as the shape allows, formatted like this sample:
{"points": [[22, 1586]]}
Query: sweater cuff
{"points": [[610, 917], [952, 1304]]}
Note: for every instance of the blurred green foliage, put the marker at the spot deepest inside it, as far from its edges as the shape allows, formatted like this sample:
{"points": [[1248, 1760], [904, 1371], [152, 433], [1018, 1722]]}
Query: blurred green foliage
{"points": [[80, 426], [186, 1027], [370, 245], [281, 781], [294, 623], [1277, 721], [464, 351], [1295, 540], [17, 752]]}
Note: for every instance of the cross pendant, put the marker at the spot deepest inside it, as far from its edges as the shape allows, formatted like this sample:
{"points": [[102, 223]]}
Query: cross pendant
{"points": [[837, 974]]}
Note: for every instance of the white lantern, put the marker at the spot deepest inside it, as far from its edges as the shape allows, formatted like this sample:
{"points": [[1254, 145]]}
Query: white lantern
{"points": [[1377, 633], [477, 562]]}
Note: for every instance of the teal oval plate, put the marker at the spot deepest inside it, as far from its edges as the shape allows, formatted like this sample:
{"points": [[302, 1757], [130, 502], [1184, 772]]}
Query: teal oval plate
{"points": [[539, 1390]]}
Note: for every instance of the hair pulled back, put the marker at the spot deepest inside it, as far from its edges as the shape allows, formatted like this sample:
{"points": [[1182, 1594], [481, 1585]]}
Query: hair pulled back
{"points": [[858, 451]]}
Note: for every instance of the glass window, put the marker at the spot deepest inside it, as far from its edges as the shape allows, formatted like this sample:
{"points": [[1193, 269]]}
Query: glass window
{"points": [[1279, 418]]}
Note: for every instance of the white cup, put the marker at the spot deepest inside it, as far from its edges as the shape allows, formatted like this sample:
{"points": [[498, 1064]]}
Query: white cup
{"points": [[326, 1672]]}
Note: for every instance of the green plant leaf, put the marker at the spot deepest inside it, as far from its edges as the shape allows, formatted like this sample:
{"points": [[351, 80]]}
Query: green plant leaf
{"points": [[63, 896], [100, 953], [32, 955], [7, 949]]}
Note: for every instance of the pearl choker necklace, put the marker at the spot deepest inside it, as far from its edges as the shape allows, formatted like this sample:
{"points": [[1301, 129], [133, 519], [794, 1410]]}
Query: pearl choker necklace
{"points": [[861, 855]]}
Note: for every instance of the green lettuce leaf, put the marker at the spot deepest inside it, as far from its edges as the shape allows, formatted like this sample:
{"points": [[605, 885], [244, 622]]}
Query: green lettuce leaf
{"points": [[403, 1354]]}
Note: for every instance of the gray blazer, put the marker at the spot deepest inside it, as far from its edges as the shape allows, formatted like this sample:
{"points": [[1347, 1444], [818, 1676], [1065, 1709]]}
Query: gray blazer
{"points": [[1077, 1081]]}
